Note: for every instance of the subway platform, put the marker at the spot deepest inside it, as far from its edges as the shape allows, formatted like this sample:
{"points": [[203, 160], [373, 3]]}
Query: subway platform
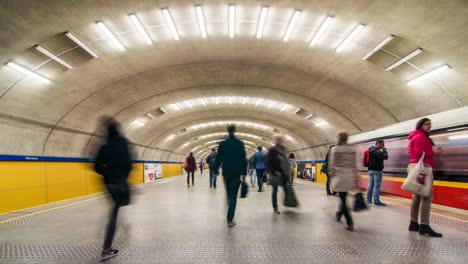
{"points": [[170, 223]]}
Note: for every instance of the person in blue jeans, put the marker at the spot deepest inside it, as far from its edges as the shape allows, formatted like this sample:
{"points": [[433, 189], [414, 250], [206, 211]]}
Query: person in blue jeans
{"points": [[211, 160], [377, 155], [259, 163]]}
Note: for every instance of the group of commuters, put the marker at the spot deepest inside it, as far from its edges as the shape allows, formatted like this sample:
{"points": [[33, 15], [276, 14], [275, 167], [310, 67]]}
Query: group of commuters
{"points": [[114, 162], [341, 170]]}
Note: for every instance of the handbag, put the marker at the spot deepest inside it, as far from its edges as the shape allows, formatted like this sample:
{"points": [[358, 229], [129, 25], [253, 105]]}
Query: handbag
{"points": [[120, 194], [290, 198], [264, 177], [419, 180], [244, 190], [359, 203]]}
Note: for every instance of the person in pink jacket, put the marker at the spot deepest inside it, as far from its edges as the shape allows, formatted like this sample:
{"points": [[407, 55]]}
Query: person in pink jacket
{"points": [[420, 142]]}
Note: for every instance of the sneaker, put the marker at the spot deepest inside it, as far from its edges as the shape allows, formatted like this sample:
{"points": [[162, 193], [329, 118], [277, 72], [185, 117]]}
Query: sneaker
{"points": [[350, 228], [106, 255], [231, 224], [379, 203], [276, 211]]}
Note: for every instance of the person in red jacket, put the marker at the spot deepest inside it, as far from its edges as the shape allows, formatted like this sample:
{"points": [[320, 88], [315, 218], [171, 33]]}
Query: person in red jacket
{"points": [[420, 143], [191, 167]]}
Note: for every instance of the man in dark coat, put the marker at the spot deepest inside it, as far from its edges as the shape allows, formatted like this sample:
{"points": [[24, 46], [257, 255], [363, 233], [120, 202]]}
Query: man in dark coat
{"points": [[114, 163], [231, 154]]}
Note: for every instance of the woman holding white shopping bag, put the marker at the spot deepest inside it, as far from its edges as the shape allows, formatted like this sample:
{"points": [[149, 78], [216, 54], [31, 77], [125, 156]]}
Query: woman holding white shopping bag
{"points": [[422, 148]]}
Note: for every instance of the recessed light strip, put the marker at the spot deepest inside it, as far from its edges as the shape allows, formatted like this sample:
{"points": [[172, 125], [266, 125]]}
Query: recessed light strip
{"points": [[201, 20], [81, 44], [292, 25], [350, 37], [378, 47], [429, 74], [232, 20], [136, 22], [27, 72], [261, 22], [405, 59], [52, 56], [170, 23], [321, 30], [109, 35]]}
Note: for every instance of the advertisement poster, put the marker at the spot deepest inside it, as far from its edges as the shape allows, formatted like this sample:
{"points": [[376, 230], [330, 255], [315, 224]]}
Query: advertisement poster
{"points": [[153, 171], [306, 171]]}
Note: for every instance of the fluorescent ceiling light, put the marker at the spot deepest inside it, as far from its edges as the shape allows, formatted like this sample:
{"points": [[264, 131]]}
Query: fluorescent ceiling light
{"points": [[292, 25], [230, 100], [406, 58], [150, 115], [378, 47], [321, 30], [270, 104], [201, 20], [176, 107], [171, 137], [283, 107], [257, 102], [350, 37], [232, 20], [52, 56], [458, 137], [27, 72], [309, 116], [170, 23], [297, 111], [138, 122], [261, 22], [203, 101], [429, 74], [243, 100], [163, 110], [217, 100], [109, 35], [136, 22], [81, 44], [321, 123]]}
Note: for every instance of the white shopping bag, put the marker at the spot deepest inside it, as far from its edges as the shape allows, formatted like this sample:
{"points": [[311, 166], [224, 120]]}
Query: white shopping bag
{"points": [[419, 180]]}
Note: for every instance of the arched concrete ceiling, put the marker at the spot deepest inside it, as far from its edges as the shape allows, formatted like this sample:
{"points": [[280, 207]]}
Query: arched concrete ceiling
{"points": [[350, 94]]}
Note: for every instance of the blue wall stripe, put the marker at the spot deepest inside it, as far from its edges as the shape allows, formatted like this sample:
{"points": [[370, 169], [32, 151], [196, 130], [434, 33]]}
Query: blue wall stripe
{"points": [[68, 159]]}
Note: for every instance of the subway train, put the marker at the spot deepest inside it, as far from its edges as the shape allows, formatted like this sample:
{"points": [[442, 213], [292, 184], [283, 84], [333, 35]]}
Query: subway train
{"points": [[450, 171]]}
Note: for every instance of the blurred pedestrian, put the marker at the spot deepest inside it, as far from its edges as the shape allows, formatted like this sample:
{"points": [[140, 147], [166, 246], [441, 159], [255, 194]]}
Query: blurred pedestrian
{"points": [[292, 164], [325, 170], [343, 173], [211, 161], [202, 166], [114, 162], [191, 166], [278, 167], [231, 156], [420, 142], [251, 170], [259, 163]]}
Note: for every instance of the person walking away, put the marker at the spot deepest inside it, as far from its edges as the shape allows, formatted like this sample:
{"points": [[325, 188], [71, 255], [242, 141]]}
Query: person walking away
{"points": [[251, 170], [377, 155], [202, 166], [292, 164], [259, 162], [420, 142], [325, 170], [211, 161], [278, 166], [191, 167], [114, 162], [343, 173], [231, 156]]}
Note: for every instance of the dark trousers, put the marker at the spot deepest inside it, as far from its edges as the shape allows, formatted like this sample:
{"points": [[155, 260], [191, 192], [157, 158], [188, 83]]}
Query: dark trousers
{"points": [[328, 185], [260, 173], [232, 183], [201, 170], [344, 209], [274, 190], [188, 177], [291, 180], [111, 226]]}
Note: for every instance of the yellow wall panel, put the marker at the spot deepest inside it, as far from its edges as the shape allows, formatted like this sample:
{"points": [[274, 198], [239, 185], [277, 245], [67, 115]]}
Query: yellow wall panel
{"points": [[17, 174], [94, 181], [137, 174], [12, 200], [321, 177], [59, 192], [65, 180], [171, 170]]}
